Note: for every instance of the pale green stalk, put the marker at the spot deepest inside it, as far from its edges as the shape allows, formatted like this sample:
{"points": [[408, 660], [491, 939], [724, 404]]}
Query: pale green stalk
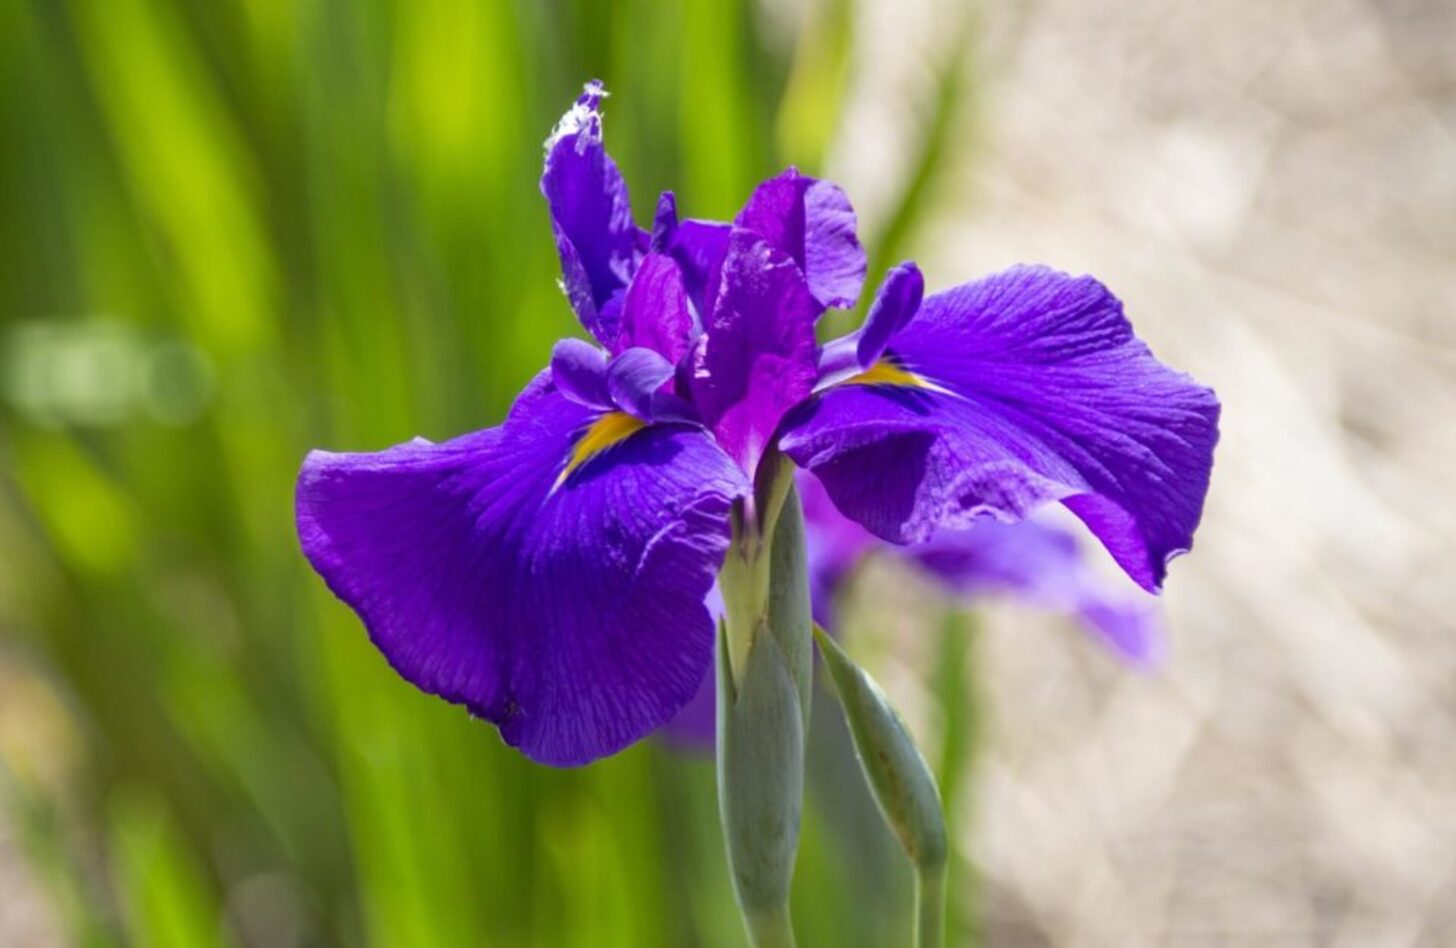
{"points": [[763, 673], [930, 905]]}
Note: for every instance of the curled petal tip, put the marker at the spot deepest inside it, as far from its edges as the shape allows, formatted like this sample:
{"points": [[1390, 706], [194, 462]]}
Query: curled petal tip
{"points": [[579, 371], [584, 116], [635, 377], [592, 93]]}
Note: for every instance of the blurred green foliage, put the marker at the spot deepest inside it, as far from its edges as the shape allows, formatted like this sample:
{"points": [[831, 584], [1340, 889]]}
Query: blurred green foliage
{"points": [[236, 229]]}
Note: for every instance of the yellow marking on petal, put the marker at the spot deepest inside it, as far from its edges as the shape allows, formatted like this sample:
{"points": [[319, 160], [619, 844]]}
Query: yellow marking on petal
{"points": [[606, 432], [888, 372]]}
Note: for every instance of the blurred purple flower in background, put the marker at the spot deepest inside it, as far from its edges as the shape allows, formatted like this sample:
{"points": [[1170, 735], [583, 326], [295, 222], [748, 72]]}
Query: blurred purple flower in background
{"points": [[1033, 562], [551, 573]]}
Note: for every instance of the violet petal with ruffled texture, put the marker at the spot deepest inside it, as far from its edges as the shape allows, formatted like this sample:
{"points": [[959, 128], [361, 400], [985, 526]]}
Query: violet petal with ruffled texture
{"points": [[568, 612], [1033, 389]]}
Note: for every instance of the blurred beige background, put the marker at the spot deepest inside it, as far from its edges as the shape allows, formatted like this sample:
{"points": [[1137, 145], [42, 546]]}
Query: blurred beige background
{"points": [[1271, 188]]}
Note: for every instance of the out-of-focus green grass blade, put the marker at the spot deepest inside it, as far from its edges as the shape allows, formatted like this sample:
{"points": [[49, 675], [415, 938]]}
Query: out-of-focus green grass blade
{"points": [[166, 898], [957, 694], [809, 113], [416, 875], [186, 165], [722, 144], [957, 689], [88, 517]]}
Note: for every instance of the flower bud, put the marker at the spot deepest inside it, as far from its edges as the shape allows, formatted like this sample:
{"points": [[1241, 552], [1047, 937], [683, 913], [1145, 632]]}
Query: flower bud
{"points": [[898, 775]]}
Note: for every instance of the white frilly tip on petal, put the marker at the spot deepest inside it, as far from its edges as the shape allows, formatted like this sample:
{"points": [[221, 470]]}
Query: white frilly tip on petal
{"points": [[584, 115]]}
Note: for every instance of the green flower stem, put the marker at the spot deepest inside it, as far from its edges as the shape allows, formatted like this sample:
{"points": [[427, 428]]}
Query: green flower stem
{"points": [[930, 906], [747, 571], [770, 929], [763, 670]]}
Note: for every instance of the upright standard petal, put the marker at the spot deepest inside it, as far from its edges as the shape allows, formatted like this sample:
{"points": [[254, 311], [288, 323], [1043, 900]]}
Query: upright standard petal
{"points": [[664, 223], [549, 574], [655, 313], [591, 217], [813, 222], [758, 361], [1003, 394], [699, 248], [896, 303]]}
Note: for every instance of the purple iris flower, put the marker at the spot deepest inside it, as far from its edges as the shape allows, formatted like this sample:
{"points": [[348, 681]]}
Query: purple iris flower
{"points": [[550, 573]]}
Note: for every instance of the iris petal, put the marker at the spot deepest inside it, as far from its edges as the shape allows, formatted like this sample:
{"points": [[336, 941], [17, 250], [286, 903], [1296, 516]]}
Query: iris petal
{"points": [[1043, 565], [655, 311], [1039, 563], [664, 222], [699, 248], [1037, 391], [591, 217], [759, 357], [810, 221], [608, 430], [579, 370], [897, 301], [813, 222], [634, 379], [573, 617]]}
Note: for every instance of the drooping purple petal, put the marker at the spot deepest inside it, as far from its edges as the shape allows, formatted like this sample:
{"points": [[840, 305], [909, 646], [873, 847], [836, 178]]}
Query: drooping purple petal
{"points": [[693, 727], [758, 361], [591, 216], [655, 312], [813, 222], [1043, 565], [579, 370], [896, 302], [1019, 389], [566, 609], [635, 377]]}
